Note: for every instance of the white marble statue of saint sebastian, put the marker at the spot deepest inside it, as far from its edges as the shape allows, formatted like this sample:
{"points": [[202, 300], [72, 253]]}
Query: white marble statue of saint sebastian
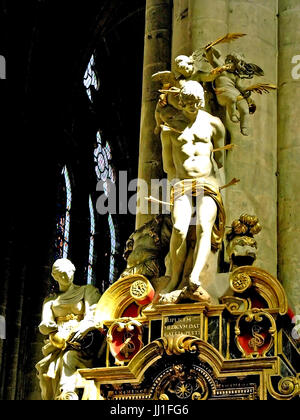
{"points": [[190, 136]]}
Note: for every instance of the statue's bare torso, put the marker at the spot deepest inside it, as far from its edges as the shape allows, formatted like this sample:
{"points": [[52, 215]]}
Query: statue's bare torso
{"points": [[193, 149]]}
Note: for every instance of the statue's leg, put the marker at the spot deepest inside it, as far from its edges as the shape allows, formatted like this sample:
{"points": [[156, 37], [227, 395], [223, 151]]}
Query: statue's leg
{"points": [[182, 214], [71, 362], [243, 108], [206, 217], [228, 100], [232, 111]]}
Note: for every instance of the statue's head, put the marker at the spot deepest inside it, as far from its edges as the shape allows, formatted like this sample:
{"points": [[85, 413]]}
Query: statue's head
{"points": [[237, 61], [234, 58], [63, 272], [242, 247], [242, 251], [240, 66], [184, 66], [191, 97]]}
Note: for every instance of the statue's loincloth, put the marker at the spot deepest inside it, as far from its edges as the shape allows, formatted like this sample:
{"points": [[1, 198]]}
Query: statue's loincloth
{"points": [[196, 188]]}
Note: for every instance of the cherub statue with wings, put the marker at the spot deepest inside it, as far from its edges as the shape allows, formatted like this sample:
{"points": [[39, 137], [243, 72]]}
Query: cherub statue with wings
{"points": [[229, 86], [186, 68], [204, 66]]}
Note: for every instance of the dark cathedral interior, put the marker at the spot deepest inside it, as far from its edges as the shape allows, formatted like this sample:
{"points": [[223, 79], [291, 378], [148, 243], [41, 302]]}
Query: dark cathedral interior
{"points": [[73, 87]]}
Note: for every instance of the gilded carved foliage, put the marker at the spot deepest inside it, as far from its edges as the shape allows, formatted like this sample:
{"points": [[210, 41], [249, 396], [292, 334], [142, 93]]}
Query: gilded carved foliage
{"points": [[287, 389], [246, 280]]}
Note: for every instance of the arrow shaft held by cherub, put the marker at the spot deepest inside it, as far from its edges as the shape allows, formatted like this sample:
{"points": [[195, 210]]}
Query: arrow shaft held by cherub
{"points": [[225, 39]]}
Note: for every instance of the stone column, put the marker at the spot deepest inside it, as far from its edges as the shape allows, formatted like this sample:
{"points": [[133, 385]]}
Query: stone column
{"points": [[196, 23], [254, 160], [157, 57], [207, 20], [181, 42], [289, 150]]}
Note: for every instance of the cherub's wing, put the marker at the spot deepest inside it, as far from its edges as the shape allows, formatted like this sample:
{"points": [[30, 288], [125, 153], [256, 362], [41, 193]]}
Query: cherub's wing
{"points": [[200, 61], [261, 88], [165, 78], [254, 70]]}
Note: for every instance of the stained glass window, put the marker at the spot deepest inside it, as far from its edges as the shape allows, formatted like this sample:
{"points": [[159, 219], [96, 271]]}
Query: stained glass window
{"points": [[64, 217], [105, 172], [112, 231], [90, 276], [102, 158], [90, 78]]}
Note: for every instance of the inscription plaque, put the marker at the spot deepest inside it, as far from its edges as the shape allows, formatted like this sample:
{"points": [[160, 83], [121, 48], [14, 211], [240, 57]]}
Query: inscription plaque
{"points": [[182, 325]]}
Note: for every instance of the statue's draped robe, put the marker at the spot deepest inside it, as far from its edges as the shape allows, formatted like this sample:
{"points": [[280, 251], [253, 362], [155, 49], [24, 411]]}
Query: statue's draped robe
{"points": [[64, 314]]}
